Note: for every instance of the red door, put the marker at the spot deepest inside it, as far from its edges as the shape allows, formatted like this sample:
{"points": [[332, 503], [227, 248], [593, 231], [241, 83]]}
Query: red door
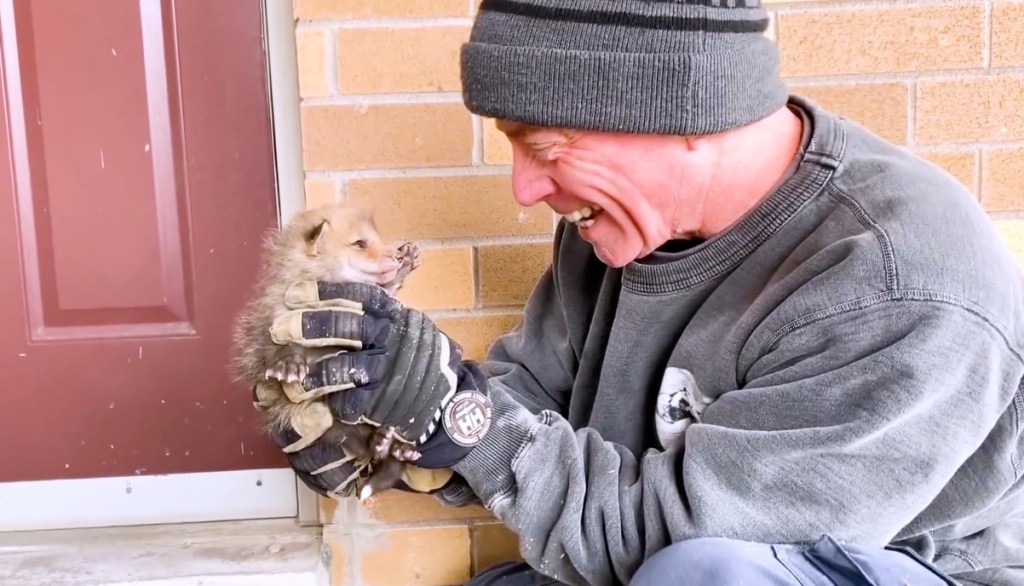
{"points": [[136, 180]]}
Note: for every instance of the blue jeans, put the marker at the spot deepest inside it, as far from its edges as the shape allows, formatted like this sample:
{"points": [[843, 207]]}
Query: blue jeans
{"points": [[722, 562]]}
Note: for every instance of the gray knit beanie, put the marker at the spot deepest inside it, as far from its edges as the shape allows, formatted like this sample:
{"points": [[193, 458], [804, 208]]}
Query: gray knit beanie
{"points": [[683, 67]]}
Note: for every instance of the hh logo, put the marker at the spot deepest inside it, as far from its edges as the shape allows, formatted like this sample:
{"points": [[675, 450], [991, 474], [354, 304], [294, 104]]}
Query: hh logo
{"points": [[470, 419], [467, 418], [680, 404]]}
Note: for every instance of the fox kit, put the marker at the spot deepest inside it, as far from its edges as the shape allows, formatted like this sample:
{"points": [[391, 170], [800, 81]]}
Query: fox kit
{"points": [[337, 243]]}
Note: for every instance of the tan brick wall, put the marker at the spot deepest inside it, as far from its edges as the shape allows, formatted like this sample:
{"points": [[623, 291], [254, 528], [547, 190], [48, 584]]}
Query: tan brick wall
{"points": [[382, 122], [945, 79]]}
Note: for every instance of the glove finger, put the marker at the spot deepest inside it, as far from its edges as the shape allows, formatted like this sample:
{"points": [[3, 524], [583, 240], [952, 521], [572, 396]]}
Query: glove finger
{"points": [[351, 403], [327, 469], [379, 309], [427, 370], [314, 295], [370, 299], [312, 444], [335, 326], [308, 423], [265, 394], [341, 371], [341, 327]]}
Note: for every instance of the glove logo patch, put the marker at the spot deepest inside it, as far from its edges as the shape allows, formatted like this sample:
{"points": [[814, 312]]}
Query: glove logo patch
{"points": [[467, 418]]}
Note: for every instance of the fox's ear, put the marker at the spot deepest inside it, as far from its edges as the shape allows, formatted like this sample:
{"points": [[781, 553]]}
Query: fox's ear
{"points": [[314, 238]]}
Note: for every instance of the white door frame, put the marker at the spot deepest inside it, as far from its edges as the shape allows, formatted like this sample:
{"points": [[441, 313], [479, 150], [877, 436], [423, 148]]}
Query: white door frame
{"points": [[283, 78], [196, 497]]}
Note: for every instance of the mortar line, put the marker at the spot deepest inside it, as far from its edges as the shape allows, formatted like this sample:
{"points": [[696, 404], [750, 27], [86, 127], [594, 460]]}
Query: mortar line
{"points": [[366, 524], [501, 310], [962, 147], [898, 76], [953, 146], [1006, 215], [474, 241], [355, 568], [473, 561], [862, 5], [340, 529], [340, 189], [986, 36], [364, 23], [945, 148], [474, 273], [373, 99], [331, 64], [410, 172], [979, 160], [773, 18], [911, 113], [478, 140]]}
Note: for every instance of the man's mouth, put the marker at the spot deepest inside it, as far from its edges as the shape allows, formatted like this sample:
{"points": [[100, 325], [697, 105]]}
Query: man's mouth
{"points": [[584, 218]]}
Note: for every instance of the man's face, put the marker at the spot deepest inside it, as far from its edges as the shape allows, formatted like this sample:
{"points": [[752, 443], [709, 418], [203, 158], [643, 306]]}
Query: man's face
{"points": [[627, 193]]}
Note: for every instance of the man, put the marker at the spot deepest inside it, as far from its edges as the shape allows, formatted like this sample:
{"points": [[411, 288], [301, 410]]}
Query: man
{"points": [[771, 348]]}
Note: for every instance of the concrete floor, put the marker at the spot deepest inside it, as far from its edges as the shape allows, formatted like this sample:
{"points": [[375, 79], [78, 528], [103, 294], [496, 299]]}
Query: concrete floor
{"points": [[243, 553]]}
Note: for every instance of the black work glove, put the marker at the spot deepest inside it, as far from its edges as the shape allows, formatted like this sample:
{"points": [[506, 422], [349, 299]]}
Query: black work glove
{"points": [[323, 465], [395, 368]]}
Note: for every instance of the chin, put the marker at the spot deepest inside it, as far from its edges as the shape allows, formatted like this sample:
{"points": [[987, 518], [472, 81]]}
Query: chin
{"points": [[616, 255], [615, 261]]}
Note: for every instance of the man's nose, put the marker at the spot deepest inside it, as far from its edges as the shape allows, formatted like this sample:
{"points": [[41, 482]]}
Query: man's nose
{"points": [[531, 182]]}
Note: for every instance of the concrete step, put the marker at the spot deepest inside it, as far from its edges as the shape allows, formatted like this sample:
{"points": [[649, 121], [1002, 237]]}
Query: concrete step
{"points": [[238, 553]]}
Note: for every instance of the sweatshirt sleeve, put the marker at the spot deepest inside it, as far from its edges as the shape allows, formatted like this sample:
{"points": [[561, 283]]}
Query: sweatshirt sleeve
{"points": [[849, 423], [535, 363]]}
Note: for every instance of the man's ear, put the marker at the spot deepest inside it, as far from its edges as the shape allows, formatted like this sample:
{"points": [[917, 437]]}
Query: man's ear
{"points": [[315, 237]]}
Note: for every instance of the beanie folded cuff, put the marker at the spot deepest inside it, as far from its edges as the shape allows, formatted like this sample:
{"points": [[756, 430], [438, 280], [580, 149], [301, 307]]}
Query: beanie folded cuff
{"points": [[669, 93]]}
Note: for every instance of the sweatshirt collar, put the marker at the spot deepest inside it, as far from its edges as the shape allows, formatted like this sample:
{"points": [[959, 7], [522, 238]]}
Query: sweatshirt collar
{"points": [[725, 251]]}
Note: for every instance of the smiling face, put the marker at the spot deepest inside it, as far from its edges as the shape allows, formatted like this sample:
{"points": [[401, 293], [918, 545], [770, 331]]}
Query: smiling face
{"points": [[628, 194], [631, 193]]}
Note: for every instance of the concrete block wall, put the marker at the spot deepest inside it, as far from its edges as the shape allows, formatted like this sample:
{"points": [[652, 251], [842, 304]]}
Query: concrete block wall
{"points": [[382, 122]]}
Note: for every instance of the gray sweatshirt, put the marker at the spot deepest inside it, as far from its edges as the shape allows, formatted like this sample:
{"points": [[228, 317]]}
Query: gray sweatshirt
{"points": [[846, 359]]}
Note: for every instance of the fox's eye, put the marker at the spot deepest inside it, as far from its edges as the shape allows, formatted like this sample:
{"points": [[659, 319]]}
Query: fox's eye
{"points": [[361, 244]]}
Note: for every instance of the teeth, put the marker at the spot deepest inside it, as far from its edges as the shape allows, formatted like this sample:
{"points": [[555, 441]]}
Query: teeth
{"points": [[583, 214], [586, 223]]}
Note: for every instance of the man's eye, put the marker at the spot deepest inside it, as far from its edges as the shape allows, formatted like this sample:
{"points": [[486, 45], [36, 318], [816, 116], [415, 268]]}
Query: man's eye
{"points": [[359, 244], [539, 146], [538, 149]]}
